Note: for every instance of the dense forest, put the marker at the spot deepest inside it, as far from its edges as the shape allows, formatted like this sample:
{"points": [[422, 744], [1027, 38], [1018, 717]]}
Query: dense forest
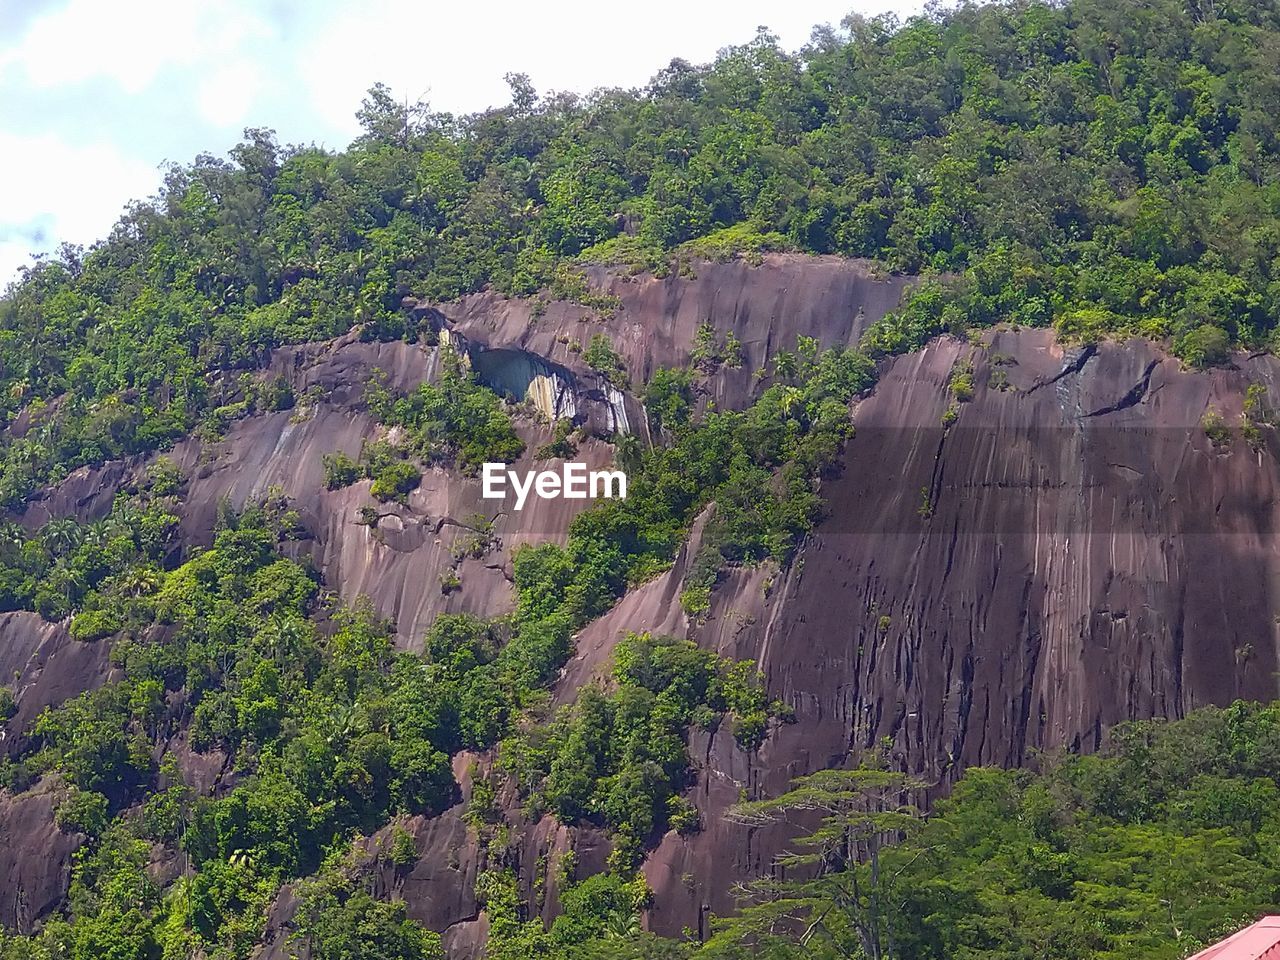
{"points": [[1104, 167]]}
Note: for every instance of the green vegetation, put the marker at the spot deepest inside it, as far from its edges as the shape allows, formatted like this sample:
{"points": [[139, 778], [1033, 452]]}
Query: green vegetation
{"points": [[1215, 428], [394, 477], [93, 570], [781, 445], [600, 918], [1154, 847], [328, 733], [1257, 419], [1203, 346], [669, 399], [1106, 167], [341, 471], [621, 758], [561, 445], [339, 920], [331, 733], [711, 352], [604, 360], [454, 420], [740, 240]]}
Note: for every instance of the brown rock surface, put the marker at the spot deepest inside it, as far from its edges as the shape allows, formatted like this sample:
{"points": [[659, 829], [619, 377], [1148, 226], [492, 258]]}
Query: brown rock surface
{"points": [[766, 307], [1071, 552], [43, 666], [35, 857], [1085, 555]]}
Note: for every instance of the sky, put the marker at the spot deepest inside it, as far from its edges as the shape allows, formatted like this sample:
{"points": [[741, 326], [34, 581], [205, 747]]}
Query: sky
{"points": [[96, 96]]}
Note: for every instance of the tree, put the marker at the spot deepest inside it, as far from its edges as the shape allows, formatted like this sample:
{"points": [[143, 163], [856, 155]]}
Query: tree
{"points": [[338, 920], [841, 896], [386, 120]]}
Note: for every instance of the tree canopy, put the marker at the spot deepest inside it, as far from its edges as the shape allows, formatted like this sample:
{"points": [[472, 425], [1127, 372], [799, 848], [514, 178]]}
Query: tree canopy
{"points": [[1108, 167]]}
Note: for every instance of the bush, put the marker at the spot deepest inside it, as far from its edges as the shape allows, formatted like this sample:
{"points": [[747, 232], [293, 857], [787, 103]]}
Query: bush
{"points": [[340, 471], [961, 382], [1215, 428], [82, 811], [741, 239], [603, 359], [163, 478], [395, 480], [340, 921], [95, 625], [696, 601], [455, 419], [274, 395], [668, 399], [404, 851], [560, 446], [709, 353], [1203, 347]]}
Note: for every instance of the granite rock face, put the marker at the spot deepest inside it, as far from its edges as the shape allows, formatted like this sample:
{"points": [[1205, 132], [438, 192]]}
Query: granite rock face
{"points": [[1071, 552], [35, 857], [1019, 571]]}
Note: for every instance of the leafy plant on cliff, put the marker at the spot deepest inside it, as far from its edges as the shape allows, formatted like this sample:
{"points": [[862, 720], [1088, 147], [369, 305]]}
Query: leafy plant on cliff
{"points": [[454, 419], [1003, 148]]}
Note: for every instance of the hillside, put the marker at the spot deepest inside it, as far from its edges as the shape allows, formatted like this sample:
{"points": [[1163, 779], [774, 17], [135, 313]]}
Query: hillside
{"points": [[938, 356]]}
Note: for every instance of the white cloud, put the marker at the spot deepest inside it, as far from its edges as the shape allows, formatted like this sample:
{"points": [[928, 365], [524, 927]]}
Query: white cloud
{"points": [[226, 97], [130, 42], [71, 192], [14, 254]]}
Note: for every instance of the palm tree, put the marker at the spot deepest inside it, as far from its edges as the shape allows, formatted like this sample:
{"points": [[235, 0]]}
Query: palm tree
{"points": [[139, 580], [622, 926], [61, 536], [284, 637], [96, 534], [12, 537]]}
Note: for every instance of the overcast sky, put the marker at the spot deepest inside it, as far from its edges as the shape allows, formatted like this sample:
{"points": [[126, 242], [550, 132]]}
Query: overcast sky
{"points": [[96, 94]]}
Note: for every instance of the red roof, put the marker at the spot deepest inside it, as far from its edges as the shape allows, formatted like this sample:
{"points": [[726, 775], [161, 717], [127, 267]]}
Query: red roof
{"points": [[1258, 942]]}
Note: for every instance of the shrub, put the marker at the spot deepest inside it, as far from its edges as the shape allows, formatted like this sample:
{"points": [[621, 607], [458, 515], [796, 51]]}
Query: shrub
{"points": [[560, 446], [602, 358], [95, 624], [1202, 347], [1087, 325], [340, 471], [455, 419], [682, 816], [1215, 428], [696, 601], [163, 478], [742, 239], [274, 395], [961, 382], [395, 480], [403, 852], [709, 353], [668, 399], [82, 811]]}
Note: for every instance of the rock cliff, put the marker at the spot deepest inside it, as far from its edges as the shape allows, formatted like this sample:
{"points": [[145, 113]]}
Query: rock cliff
{"points": [[1008, 573]]}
